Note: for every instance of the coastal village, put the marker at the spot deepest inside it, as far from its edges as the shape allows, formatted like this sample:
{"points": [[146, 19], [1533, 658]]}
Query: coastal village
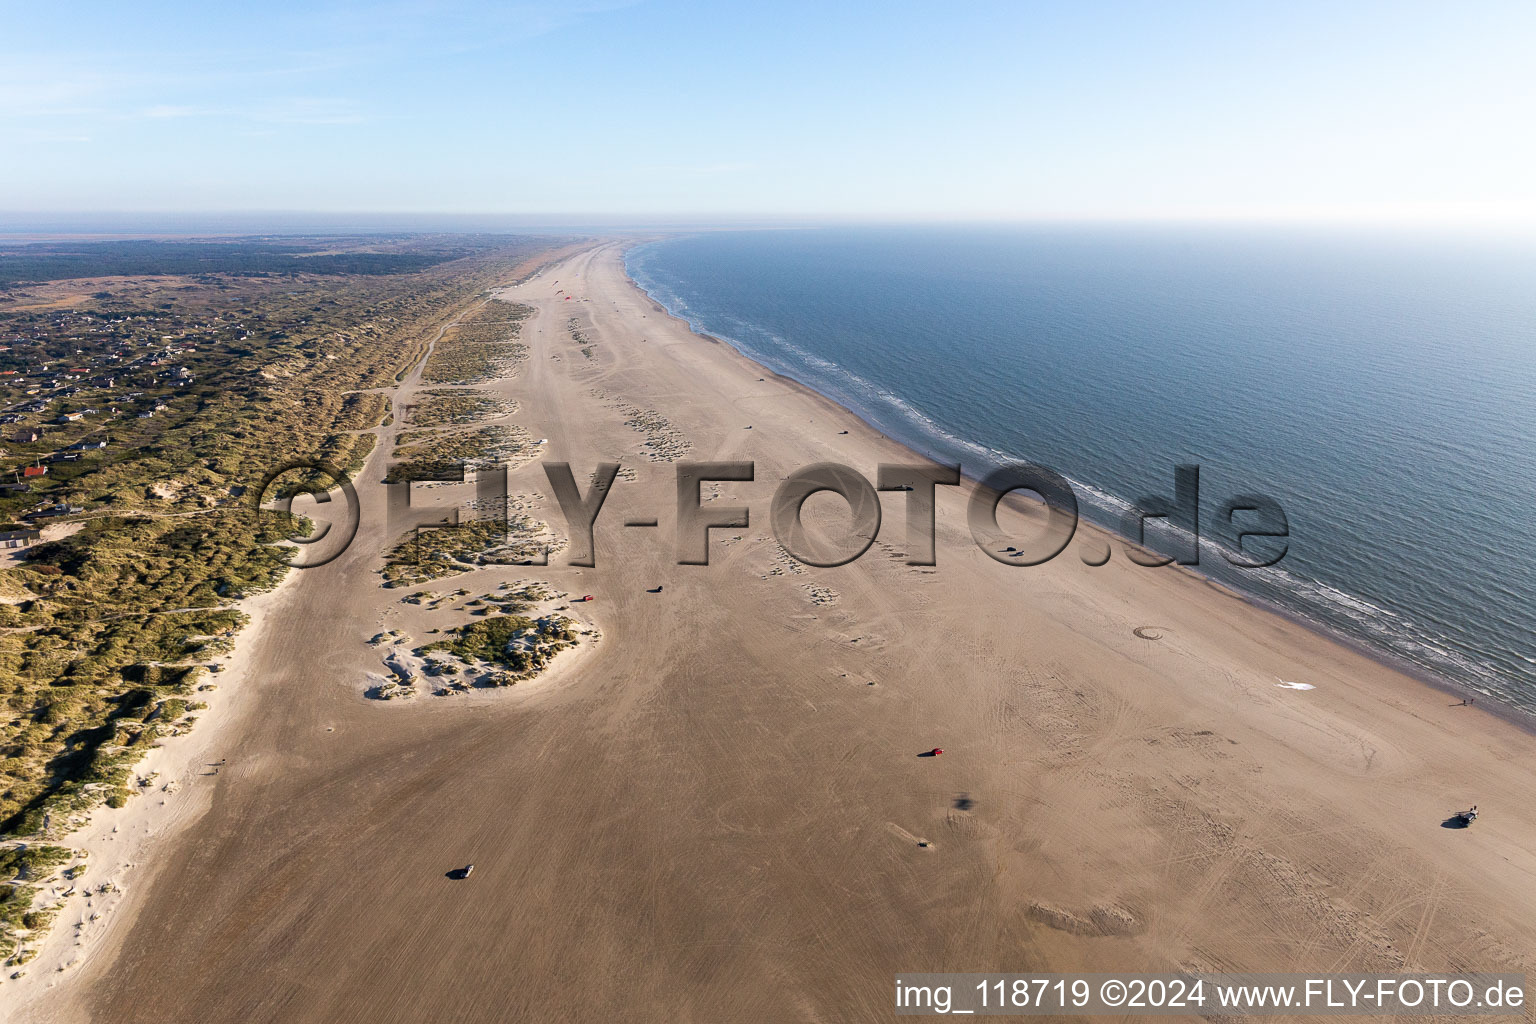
{"points": [[139, 411], [77, 384]]}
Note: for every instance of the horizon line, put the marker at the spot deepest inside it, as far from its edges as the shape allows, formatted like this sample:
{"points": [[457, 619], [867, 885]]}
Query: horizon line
{"points": [[126, 222]]}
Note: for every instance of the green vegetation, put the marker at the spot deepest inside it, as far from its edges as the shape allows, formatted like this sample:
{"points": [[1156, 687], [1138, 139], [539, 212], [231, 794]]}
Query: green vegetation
{"points": [[444, 407], [430, 454], [509, 599], [432, 554], [519, 646], [663, 442], [23, 869], [481, 347], [573, 327], [55, 261], [159, 404], [362, 412]]}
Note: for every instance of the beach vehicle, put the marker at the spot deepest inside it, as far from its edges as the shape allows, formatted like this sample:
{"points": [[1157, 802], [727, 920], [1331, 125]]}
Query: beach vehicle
{"points": [[1466, 817], [936, 751], [468, 870]]}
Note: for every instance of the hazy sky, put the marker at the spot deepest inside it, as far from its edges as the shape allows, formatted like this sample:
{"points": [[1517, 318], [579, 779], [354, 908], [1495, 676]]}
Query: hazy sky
{"points": [[888, 110]]}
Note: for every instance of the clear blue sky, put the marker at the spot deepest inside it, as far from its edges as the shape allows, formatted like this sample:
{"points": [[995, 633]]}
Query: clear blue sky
{"points": [[885, 110]]}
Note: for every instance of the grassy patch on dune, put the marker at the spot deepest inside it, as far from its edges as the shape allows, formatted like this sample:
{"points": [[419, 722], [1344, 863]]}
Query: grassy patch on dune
{"points": [[516, 645], [24, 867], [446, 407], [362, 411], [427, 454], [430, 554], [481, 347], [166, 402]]}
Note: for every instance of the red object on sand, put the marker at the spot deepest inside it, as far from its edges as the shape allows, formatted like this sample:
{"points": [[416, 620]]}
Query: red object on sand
{"points": [[937, 751], [588, 597]]}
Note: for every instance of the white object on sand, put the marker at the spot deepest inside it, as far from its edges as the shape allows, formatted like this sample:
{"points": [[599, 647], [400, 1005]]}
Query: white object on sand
{"points": [[1288, 685]]}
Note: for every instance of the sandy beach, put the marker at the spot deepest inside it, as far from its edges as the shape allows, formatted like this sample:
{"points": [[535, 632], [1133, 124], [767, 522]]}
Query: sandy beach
{"points": [[718, 811]]}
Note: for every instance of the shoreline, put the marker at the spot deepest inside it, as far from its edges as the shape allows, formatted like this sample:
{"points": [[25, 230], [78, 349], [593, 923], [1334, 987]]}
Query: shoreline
{"points": [[740, 755], [144, 822], [1498, 706], [114, 840]]}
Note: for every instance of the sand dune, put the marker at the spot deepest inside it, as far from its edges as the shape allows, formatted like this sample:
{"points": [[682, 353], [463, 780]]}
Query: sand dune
{"points": [[715, 813]]}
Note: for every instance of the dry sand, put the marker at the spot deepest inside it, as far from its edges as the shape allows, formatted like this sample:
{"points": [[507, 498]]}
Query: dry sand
{"points": [[712, 815]]}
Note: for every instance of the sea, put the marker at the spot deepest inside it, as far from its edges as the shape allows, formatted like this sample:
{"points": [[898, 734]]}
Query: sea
{"points": [[1378, 386]]}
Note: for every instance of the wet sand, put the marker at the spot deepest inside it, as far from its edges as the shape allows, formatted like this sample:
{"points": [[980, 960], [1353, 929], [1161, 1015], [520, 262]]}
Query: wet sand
{"points": [[715, 813]]}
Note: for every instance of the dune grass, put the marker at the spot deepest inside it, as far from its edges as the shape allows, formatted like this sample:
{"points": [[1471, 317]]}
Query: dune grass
{"points": [[105, 634]]}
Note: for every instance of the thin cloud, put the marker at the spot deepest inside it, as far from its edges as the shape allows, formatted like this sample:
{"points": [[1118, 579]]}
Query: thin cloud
{"points": [[276, 111], [305, 110], [149, 84]]}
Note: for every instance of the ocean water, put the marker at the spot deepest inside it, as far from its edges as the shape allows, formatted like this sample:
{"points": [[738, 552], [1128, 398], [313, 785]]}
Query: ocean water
{"points": [[1380, 387]]}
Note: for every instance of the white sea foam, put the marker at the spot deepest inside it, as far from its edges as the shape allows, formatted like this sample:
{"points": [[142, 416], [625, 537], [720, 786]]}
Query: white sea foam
{"points": [[1321, 603]]}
